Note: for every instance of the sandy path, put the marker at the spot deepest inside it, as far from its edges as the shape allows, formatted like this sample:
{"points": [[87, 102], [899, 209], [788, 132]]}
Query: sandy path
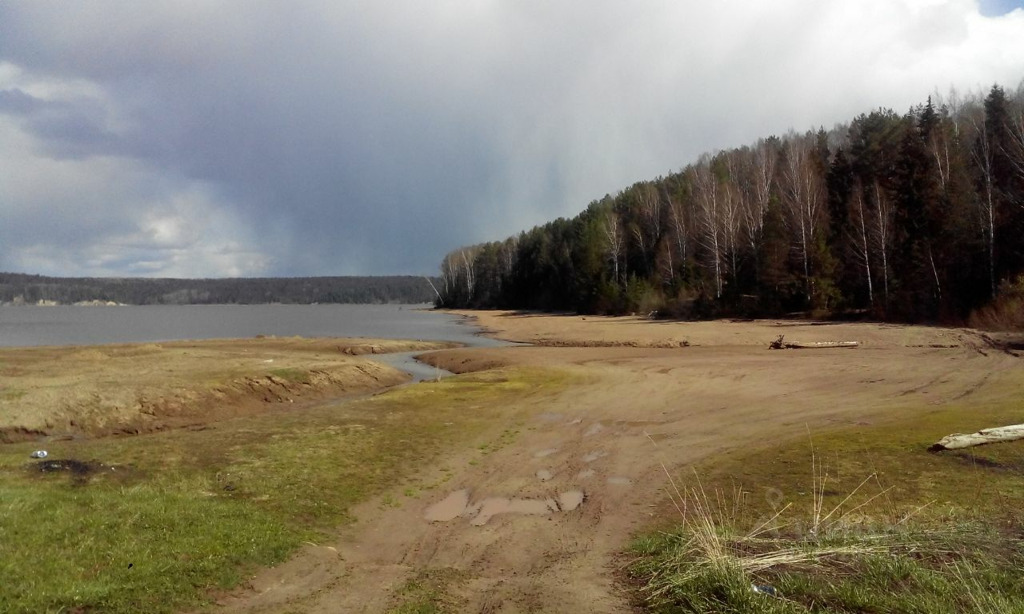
{"points": [[630, 410]]}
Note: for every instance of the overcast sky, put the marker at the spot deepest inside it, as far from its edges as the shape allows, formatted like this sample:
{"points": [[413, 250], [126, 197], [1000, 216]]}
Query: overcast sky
{"points": [[210, 139]]}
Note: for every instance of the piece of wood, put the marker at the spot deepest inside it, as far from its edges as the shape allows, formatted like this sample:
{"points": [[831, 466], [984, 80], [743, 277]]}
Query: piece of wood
{"points": [[814, 345], [999, 434], [782, 344]]}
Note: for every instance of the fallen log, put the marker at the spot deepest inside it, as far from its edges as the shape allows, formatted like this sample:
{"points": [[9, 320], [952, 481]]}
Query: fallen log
{"points": [[782, 344], [999, 434]]}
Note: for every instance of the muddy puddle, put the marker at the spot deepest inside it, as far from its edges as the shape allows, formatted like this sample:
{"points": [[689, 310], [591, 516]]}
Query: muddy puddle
{"points": [[449, 508], [458, 504], [79, 471]]}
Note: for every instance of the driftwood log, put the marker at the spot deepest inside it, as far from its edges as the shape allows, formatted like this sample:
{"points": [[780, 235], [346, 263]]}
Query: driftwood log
{"points": [[782, 344], [999, 434]]}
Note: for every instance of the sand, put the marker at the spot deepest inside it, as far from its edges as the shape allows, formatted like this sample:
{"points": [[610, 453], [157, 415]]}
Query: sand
{"points": [[644, 396]]}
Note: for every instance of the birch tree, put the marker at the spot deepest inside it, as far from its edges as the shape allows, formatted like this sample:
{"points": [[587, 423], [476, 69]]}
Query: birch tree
{"points": [[863, 243], [709, 217], [679, 217], [764, 159], [804, 198], [732, 209], [982, 154], [883, 234], [614, 243]]}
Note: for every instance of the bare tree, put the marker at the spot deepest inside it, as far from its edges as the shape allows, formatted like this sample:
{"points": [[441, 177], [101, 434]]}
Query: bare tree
{"points": [[883, 234], [663, 260], [732, 209], [982, 153], [649, 203], [804, 198], [939, 141], [1014, 149], [678, 216], [614, 242], [709, 216], [862, 242], [449, 275], [765, 158], [508, 254]]}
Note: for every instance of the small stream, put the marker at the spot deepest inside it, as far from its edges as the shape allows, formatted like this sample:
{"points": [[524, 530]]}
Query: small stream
{"points": [[406, 361], [421, 371]]}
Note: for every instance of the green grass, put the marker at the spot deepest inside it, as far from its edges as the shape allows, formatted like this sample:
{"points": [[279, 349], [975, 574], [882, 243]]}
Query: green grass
{"points": [[185, 513], [861, 519], [129, 548]]}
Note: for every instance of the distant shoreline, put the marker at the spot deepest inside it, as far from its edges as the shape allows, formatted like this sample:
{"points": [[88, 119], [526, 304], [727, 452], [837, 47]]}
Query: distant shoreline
{"points": [[24, 289]]}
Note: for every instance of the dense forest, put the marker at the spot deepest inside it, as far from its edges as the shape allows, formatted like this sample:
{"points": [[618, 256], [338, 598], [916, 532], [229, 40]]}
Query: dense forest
{"points": [[32, 289], [912, 217]]}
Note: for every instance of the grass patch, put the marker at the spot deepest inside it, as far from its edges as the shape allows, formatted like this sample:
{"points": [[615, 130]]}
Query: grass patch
{"points": [[861, 519], [124, 549], [297, 376], [167, 517]]}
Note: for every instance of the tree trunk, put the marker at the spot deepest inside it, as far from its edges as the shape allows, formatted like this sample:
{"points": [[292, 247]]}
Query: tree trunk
{"points": [[959, 441], [864, 245]]}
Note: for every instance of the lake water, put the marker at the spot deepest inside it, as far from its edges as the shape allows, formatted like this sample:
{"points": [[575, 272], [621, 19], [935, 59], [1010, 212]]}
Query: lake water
{"points": [[69, 325]]}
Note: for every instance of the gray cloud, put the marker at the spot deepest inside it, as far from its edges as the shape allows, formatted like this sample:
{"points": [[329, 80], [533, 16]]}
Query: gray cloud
{"points": [[16, 102], [232, 138]]}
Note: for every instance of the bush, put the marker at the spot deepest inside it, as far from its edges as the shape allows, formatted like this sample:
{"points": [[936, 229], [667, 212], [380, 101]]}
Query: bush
{"points": [[1006, 312], [643, 298]]}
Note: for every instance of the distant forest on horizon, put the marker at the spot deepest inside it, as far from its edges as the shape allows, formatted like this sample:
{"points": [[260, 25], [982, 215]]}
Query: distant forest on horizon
{"points": [[18, 288], [914, 217]]}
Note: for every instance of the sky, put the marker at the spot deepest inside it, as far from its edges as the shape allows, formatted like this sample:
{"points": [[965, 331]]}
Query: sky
{"points": [[239, 138]]}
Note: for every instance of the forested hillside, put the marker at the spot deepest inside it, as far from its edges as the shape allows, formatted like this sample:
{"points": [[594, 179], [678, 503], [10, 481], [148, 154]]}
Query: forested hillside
{"points": [[31, 289], [912, 217]]}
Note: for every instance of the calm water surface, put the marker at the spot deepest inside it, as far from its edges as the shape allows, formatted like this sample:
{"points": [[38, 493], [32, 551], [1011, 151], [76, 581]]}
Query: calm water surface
{"points": [[69, 325]]}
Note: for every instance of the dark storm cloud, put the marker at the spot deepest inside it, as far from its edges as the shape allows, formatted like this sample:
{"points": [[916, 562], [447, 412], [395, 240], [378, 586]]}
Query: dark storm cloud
{"points": [[335, 138], [325, 151]]}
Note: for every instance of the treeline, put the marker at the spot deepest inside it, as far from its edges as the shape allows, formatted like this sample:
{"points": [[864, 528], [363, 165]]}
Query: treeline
{"points": [[913, 217], [31, 289]]}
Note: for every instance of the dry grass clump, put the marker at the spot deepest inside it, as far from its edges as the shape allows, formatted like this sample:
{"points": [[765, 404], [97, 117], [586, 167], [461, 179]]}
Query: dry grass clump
{"points": [[1006, 312], [858, 552]]}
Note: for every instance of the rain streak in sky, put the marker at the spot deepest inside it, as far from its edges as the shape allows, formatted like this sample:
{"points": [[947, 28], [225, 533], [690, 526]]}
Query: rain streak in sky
{"points": [[195, 139]]}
